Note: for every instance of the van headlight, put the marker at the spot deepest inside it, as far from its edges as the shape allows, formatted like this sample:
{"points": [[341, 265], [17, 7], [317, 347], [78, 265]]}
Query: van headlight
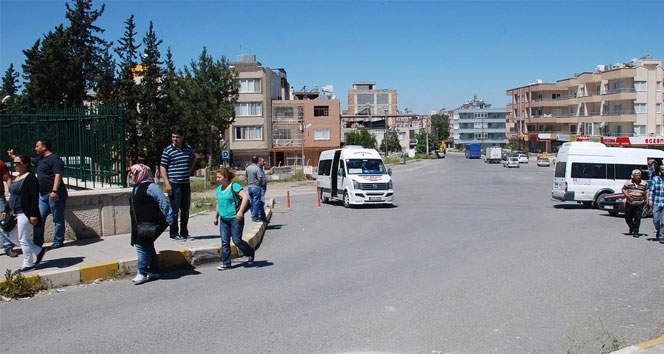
{"points": [[389, 184], [356, 185]]}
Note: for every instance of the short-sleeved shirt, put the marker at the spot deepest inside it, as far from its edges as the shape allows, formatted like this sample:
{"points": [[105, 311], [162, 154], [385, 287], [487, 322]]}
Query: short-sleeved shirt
{"points": [[637, 191], [177, 162], [226, 201], [3, 172], [253, 172], [47, 167]]}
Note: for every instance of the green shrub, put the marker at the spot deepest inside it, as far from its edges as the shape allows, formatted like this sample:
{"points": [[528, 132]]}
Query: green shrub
{"points": [[16, 285]]}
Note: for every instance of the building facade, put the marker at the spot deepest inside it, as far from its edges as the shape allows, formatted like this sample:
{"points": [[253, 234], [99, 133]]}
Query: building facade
{"points": [[477, 122], [301, 129], [620, 100], [366, 99], [251, 133]]}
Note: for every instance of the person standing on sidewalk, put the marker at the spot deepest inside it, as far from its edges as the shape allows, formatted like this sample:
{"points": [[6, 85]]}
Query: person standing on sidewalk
{"points": [[254, 186], [177, 162], [656, 202], [636, 192], [6, 177], [261, 164], [232, 202], [52, 191], [24, 204], [148, 204]]}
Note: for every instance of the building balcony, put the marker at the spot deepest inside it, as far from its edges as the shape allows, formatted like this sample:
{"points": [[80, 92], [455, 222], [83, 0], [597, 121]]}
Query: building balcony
{"points": [[287, 142], [285, 120]]}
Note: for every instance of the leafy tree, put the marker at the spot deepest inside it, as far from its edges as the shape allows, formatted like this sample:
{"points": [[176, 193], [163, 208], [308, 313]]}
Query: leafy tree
{"points": [[421, 146], [212, 88], [153, 129], [361, 137], [440, 126], [84, 50], [392, 139], [127, 89]]}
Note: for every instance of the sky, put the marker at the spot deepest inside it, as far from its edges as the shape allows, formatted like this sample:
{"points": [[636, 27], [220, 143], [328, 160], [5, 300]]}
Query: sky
{"points": [[436, 54]]}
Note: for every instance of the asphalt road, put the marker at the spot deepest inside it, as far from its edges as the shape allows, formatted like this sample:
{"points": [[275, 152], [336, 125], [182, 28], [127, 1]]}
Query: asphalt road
{"points": [[474, 258]]}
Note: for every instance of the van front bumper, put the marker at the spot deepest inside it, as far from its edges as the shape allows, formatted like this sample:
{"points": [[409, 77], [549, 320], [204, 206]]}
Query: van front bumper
{"points": [[372, 197]]}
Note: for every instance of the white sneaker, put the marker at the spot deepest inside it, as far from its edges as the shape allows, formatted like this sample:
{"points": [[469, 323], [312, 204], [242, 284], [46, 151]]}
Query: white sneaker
{"points": [[140, 279], [137, 277]]}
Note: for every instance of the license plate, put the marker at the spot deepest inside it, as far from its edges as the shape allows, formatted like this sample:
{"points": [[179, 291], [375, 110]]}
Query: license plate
{"points": [[608, 207], [374, 198]]}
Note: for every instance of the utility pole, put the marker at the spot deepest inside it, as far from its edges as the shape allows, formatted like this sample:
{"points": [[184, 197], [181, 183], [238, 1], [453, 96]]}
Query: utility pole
{"points": [[427, 134]]}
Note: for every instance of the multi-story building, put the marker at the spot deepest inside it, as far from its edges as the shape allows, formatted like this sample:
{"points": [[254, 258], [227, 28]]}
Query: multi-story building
{"points": [[620, 100], [251, 133], [476, 122], [302, 128], [366, 99]]}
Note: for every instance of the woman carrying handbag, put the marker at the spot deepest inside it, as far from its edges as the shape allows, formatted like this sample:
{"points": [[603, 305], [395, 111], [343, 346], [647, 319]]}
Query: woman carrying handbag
{"points": [[150, 215], [24, 206]]}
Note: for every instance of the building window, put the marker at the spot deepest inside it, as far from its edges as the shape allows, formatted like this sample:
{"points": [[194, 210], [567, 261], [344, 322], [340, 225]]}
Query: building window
{"points": [[283, 113], [321, 111], [639, 130], [640, 108], [248, 109], [321, 134], [249, 133], [659, 86], [658, 108], [572, 128], [481, 136], [640, 86], [250, 85], [658, 130], [282, 134], [572, 110]]}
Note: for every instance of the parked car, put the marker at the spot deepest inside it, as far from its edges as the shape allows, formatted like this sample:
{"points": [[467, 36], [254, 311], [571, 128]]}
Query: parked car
{"points": [[543, 162], [511, 161], [615, 204], [522, 158]]}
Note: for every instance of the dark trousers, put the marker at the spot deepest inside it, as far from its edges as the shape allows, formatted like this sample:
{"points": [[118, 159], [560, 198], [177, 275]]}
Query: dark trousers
{"points": [[180, 202], [633, 216]]}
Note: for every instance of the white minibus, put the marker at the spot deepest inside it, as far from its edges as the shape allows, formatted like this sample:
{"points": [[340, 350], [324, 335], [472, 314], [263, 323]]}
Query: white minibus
{"points": [[585, 170], [355, 176]]}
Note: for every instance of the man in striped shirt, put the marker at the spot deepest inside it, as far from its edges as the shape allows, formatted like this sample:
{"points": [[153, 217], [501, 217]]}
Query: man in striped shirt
{"points": [[177, 162], [656, 201], [636, 193]]}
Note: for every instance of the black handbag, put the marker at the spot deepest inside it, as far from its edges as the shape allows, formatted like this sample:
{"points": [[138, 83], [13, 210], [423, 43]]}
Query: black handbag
{"points": [[8, 223], [148, 230]]}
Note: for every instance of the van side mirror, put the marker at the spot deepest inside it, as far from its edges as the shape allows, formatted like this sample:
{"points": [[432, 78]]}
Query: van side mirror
{"points": [[389, 171], [341, 172]]}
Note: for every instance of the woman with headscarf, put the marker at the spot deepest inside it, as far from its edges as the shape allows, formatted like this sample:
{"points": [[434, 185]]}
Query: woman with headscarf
{"points": [[147, 205], [24, 204]]}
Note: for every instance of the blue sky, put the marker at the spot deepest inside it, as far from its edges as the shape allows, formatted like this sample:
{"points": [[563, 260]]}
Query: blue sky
{"points": [[434, 53]]}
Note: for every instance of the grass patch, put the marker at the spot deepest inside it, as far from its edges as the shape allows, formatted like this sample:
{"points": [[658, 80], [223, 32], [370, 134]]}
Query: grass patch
{"points": [[297, 176], [16, 285], [199, 204], [593, 337]]}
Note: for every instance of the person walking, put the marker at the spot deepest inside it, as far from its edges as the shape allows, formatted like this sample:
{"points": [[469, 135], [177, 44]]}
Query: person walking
{"points": [[232, 202], [254, 183], [636, 193], [24, 204], [6, 177], [656, 202], [177, 162], [52, 191], [148, 204]]}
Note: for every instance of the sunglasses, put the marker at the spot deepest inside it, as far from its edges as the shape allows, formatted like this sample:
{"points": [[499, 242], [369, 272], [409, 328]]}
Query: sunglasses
{"points": [[17, 163]]}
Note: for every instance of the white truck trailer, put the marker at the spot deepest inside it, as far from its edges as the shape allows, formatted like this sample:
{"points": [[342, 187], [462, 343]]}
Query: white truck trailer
{"points": [[493, 154]]}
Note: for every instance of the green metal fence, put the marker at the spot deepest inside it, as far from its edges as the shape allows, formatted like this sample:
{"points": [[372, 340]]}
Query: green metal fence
{"points": [[90, 140]]}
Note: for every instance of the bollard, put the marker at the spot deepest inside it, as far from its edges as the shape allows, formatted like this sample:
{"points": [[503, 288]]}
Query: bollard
{"points": [[318, 194], [288, 199]]}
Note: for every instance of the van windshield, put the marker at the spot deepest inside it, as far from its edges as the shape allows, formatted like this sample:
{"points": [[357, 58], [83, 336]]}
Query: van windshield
{"points": [[365, 167]]}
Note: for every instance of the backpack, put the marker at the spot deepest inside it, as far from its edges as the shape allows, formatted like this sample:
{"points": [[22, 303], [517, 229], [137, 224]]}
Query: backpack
{"points": [[238, 200]]}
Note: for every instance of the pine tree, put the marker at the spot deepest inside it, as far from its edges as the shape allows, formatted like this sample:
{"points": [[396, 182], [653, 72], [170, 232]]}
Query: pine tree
{"points": [[106, 78], [392, 139], [85, 50], [127, 90], [10, 86], [153, 128]]}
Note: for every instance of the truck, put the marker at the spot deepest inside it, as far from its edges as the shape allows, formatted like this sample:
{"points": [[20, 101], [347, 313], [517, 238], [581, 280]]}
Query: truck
{"points": [[493, 154], [473, 151]]}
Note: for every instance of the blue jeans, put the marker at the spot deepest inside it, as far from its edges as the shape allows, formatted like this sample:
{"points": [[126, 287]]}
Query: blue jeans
{"points": [[6, 244], [180, 202], [232, 229], [257, 211], [148, 262], [57, 208], [658, 220]]}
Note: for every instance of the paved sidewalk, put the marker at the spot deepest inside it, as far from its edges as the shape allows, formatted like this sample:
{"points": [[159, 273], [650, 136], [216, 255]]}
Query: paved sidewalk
{"points": [[655, 346], [90, 259]]}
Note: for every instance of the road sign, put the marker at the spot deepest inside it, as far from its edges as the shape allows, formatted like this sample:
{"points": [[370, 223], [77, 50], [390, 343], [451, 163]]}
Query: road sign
{"points": [[225, 155]]}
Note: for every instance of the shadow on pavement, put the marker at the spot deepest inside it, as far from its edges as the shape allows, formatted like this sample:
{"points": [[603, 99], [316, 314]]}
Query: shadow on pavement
{"points": [[178, 273], [83, 242], [569, 206], [207, 237], [274, 227], [59, 262], [257, 264]]}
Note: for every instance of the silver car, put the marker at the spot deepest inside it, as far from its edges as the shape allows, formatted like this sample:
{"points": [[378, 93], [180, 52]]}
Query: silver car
{"points": [[511, 161]]}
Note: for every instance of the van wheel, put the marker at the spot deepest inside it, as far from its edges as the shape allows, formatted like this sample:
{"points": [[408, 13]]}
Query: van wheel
{"points": [[613, 213], [346, 200], [596, 203]]}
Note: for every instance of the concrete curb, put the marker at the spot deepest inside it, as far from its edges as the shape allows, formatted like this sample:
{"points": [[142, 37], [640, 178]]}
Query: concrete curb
{"points": [[644, 347], [186, 257]]}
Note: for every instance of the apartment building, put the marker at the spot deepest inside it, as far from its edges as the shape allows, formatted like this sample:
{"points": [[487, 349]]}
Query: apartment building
{"points": [[620, 100], [302, 128], [366, 99], [251, 133], [477, 122]]}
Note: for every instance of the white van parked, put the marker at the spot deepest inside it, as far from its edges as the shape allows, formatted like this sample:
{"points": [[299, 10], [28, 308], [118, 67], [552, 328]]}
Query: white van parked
{"points": [[354, 175], [584, 171]]}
